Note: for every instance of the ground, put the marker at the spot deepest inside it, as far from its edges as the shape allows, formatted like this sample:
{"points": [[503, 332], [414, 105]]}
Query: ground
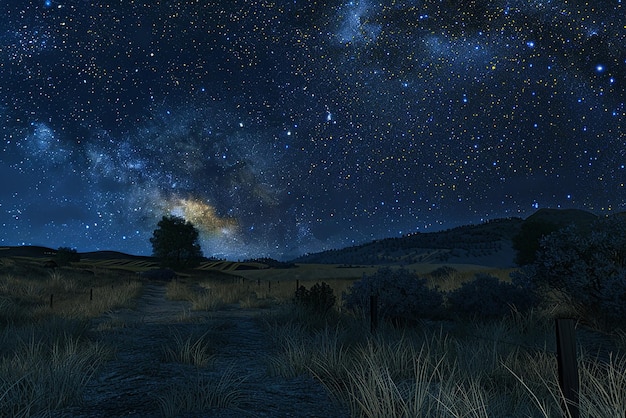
{"points": [[131, 384]]}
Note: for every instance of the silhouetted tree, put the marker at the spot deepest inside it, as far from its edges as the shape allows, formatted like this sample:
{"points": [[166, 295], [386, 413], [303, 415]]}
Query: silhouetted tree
{"points": [[584, 269], [66, 255], [526, 242], [175, 243]]}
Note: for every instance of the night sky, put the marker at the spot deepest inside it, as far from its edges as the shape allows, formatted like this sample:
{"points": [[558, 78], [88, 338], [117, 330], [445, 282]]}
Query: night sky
{"points": [[285, 127]]}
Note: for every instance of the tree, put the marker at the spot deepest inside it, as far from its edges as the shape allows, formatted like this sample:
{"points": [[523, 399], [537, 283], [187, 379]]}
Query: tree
{"points": [[526, 242], [175, 243], [587, 269], [66, 255]]}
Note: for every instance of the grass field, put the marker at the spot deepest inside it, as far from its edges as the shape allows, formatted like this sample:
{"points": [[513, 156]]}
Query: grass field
{"points": [[45, 358], [466, 369]]}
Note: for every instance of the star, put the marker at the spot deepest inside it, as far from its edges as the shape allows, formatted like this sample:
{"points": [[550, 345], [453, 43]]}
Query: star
{"points": [[282, 128]]}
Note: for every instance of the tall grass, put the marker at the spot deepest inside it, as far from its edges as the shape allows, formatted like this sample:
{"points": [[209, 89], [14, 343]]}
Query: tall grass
{"points": [[43, 373], [75, 295], [473, 370], [46, 358], [196, 351], [202, 394], [212, 294]]}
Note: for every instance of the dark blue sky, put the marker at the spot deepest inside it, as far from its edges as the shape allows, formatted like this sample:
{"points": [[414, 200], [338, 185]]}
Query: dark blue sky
{"points": [[285, 127]]}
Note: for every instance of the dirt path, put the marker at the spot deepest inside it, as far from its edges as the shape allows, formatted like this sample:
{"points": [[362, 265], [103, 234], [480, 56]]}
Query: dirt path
{"points": [[130, 384]]}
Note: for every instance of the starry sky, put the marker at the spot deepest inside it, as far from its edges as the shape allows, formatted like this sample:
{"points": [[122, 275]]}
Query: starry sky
{"points": [[281, 127]]}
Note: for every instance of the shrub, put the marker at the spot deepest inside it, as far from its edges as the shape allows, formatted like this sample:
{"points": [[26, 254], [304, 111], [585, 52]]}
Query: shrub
{"points": [[320, 298], [487, 297], [401, 295]]}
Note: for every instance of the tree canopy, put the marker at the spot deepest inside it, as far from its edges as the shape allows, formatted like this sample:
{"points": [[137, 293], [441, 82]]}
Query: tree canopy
{"points": [[526, 242], [66, 255], [175, 243]]}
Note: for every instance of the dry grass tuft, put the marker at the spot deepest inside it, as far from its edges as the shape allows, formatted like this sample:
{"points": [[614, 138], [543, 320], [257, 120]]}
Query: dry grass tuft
{"points": [[203, 394]]}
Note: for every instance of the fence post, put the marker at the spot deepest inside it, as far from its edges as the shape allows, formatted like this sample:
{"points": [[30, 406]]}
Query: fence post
{"points": [[568, 366], [373, 313], [297, 284], [51, 299], [91, 294]]}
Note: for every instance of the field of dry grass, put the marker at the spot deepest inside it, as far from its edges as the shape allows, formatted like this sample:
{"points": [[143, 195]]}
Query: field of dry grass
{"points": [[504, 368], [45, 358]]}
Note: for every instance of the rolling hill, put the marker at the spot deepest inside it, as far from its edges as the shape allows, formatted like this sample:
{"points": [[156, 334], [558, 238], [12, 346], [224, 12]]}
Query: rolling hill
{"points": [[487, 244]]}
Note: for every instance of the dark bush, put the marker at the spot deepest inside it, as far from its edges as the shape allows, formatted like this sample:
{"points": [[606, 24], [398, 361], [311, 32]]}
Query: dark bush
{"points": [[402, 295], [319, 298], [487, 297], [66, 255]]}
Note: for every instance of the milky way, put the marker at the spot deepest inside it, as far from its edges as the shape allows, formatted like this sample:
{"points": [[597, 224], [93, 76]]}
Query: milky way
{"points": [[285, 127]]}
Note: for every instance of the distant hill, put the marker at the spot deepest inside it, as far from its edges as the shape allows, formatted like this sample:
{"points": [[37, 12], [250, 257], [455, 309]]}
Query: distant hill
{"points": [[113, 255], [27, 251], [45, 252], [486, 244], [563, 217]]}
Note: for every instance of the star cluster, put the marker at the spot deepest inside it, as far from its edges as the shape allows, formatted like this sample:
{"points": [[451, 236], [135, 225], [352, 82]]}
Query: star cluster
{"points": [[289, 126]]}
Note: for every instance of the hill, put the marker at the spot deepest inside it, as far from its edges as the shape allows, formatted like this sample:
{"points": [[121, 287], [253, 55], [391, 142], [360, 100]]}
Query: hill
{"points": [[27, 251], [487, 244], [563, 217], [114, 255], [46, 252]]}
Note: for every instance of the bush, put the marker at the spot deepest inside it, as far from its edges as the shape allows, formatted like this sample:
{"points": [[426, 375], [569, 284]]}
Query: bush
{"points": [[320, 298], [401, 295], [588, 269], [66, 255], [487, 297]]}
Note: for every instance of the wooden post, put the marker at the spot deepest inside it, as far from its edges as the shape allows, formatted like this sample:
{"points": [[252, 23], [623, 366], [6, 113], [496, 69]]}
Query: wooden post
{"points": [[373, 313], [297, 284], [568, 366], [91, 294], [51, 299], [269, 286], [258, 282]]}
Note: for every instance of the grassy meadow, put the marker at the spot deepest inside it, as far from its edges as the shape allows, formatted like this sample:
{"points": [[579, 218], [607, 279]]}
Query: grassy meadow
{"points": [[45, 356], [500, 368]]}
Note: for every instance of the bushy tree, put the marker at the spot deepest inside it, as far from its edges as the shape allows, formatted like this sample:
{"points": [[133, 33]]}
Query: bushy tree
{"points": [[402, 295], [587, 268], [175, 243], [526, 242], [488, 297], [66, 255]]}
